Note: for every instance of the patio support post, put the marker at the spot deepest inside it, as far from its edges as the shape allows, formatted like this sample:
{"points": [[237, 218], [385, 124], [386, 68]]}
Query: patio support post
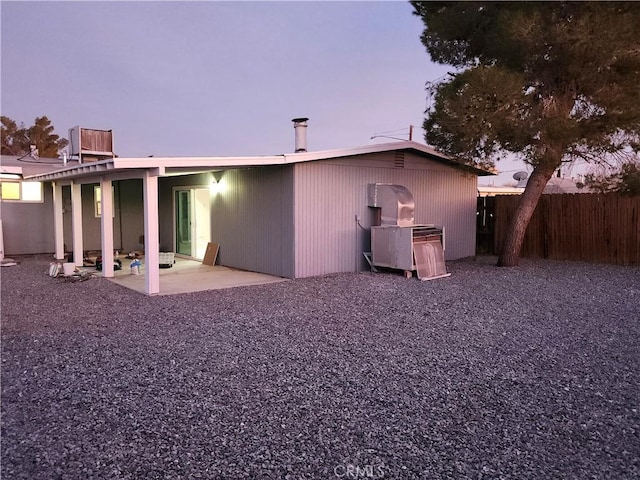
{"points": [[58, 225], [151, 233], [76, 223], [106, 222]]}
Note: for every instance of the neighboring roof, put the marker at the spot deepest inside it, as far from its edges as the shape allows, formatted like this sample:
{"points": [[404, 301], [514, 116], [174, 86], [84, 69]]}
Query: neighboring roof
{"points": [[491, 191], [27, 166], [564, 185], [185, 165], [560, 185]]}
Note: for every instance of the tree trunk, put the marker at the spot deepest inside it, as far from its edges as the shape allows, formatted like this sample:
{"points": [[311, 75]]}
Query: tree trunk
{"points": [[510, 250]]}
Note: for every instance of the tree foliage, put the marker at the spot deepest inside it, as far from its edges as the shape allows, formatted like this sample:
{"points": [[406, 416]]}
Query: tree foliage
{"points": [[13, 137], [17, 140], [626, 180], [548, 82]]}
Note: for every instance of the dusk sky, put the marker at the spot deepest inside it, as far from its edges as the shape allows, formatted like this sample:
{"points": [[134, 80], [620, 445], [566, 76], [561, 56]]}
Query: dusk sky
{"points": [[218, 78]]}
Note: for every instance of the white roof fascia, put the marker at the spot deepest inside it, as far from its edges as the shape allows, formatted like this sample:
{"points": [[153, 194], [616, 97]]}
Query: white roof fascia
{"points": [[384, 147], [114, 175], [186, 165], [160, 164], [74, 171], [198, 162], [363, 150]]}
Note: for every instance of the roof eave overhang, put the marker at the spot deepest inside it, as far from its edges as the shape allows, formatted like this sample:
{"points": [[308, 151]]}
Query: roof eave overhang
{"points": [[165, 166], [161, 166], [420, 148], [83, 170]]}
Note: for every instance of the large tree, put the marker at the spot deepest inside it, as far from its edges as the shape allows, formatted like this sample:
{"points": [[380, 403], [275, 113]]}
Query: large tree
{"points": [[547, 82], [17, 140]]}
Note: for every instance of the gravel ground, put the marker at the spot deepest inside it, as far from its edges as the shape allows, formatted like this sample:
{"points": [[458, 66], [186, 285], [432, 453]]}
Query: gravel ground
{"points": [[524, 373]]}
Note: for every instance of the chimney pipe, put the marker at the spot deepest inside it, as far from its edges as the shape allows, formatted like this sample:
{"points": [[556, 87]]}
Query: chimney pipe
{"points": [[300, 125]]}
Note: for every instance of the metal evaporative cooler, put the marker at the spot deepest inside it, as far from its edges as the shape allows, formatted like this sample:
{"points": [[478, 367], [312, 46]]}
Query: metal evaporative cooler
{"points": [[399, 243]]}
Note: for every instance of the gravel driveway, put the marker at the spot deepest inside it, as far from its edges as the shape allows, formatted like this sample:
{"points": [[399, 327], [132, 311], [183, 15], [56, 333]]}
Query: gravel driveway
{"points": [[523, 373]]}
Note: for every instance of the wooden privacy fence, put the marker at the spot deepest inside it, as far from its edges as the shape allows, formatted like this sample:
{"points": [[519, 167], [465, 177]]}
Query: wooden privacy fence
{"points": [[599, 228]]}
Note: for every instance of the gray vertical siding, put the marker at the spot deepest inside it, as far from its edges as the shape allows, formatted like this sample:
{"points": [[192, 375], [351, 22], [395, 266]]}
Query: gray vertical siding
{"points": [[252, 220], [28, 227], [131, 206], [329, 194]]}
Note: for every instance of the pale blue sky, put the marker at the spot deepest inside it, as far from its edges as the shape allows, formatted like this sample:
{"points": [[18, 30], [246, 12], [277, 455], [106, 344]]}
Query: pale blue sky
{"points": [[217, 78]]}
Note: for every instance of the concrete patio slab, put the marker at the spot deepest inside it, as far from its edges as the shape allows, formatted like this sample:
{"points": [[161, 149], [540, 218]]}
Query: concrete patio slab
{"points": [[192, 276]]}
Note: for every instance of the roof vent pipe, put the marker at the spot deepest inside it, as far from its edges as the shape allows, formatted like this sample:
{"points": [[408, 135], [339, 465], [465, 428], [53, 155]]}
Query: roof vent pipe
{"points": [[300, 125]]}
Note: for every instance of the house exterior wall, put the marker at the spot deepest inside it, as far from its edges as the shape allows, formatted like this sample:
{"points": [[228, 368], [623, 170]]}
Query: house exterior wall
{"points": [[252, 220], [28, 227], [329, 194]]}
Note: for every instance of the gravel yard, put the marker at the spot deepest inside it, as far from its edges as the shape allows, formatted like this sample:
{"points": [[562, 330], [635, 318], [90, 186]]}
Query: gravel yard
{"points": [[523, 373]]}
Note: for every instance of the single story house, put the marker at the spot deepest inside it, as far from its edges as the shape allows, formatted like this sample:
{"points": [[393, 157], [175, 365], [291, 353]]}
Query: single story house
{"points": [[291, 215]]}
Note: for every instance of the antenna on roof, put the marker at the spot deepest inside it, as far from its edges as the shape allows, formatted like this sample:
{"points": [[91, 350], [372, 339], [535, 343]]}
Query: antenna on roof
{"points": [[396, 132]]}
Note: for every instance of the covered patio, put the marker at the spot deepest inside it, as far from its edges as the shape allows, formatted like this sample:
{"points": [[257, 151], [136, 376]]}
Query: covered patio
{"points": [[103, 173]]}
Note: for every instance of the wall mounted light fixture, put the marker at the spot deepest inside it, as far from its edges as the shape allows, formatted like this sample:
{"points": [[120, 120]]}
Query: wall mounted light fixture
{"points": [[217, 184]]}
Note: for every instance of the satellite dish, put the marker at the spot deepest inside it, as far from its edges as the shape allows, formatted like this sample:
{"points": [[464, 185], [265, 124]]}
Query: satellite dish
{"points": [[521, 175]]}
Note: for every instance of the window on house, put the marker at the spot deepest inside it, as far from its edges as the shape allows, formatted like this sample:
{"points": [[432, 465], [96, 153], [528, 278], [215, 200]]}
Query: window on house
{"points": [[97, 201], [32, 191], [21, 191]]}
